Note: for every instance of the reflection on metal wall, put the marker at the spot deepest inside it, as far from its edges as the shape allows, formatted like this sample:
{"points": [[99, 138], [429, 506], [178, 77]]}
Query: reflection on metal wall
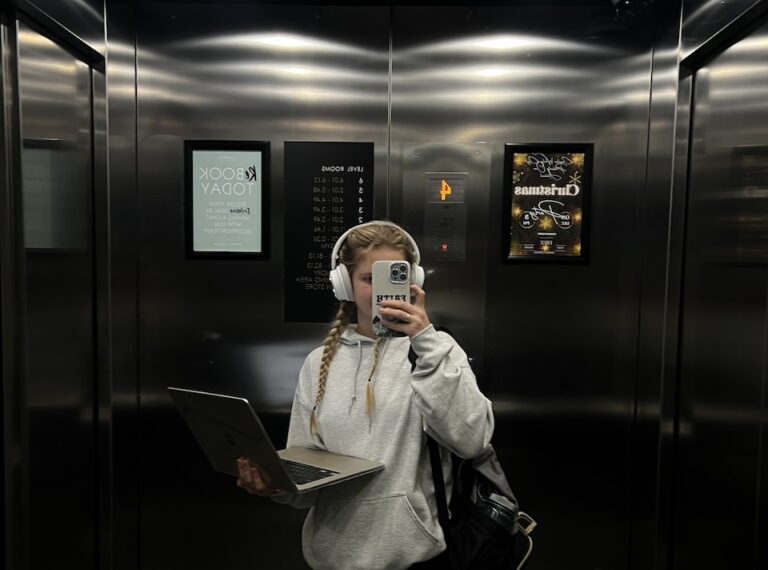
{"points": [[455, 281], [724, 328], [55, 103], [704, 18], [653, 445], [123, 257], [84, 18], [244, 72], [555, 346], [558, 342]]}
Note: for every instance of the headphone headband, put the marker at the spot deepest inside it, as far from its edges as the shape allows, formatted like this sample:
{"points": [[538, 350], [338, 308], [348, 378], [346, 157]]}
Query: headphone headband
{"points": [[339, 275], [343, 237]]}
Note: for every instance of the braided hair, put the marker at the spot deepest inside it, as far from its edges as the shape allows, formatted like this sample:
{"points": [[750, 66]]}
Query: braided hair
{"points": [[330, 345]]}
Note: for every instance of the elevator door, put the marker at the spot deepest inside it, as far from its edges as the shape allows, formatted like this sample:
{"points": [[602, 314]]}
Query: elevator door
{"points": [[719, 501], [55, 119]]}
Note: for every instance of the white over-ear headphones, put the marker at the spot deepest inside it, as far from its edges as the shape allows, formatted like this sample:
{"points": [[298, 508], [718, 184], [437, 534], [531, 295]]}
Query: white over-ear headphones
{"points": [[340, 279]]}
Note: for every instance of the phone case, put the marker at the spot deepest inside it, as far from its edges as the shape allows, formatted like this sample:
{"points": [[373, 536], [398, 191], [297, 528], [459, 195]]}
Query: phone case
{"points": [[391, 280]]}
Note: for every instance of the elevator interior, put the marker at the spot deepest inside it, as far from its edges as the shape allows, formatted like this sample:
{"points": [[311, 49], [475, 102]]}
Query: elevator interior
{"points": [[629, 391]]}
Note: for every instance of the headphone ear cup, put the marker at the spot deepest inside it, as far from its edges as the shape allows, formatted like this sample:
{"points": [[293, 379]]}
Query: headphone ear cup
{"points": [[341, 283], [417, 275]]}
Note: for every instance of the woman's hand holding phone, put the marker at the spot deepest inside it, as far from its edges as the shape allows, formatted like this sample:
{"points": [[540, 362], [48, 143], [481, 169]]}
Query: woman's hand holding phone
{"points": [[252, 479], [404, 317]]}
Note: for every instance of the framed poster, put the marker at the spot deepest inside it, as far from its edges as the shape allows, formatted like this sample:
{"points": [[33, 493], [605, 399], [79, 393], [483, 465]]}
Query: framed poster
{"points": [[227, 190], [547, 191]]}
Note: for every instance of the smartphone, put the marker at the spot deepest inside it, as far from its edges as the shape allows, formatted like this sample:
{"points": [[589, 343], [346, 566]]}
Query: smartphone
{"points": [[390, 281]]}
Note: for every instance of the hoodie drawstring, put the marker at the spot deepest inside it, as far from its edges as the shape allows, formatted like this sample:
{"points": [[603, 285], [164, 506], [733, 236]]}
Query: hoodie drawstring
{"points": [[377, 360], [357, 371]]}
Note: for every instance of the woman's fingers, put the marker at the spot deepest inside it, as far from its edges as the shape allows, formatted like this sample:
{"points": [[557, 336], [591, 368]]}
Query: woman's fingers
{"points": [[420, 296], [408, 318], [252, 479], [244, 473]]}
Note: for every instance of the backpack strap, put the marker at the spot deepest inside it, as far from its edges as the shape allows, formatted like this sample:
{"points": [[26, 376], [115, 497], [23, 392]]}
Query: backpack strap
{"points": [[437, 469]]}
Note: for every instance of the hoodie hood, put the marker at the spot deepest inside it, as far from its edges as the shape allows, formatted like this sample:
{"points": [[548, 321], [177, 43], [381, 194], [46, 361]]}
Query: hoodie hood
{"points": [[351, 337]]}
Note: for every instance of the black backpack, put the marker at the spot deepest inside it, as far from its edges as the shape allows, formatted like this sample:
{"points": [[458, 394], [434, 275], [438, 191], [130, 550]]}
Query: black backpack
{"points": [[485, 529]]}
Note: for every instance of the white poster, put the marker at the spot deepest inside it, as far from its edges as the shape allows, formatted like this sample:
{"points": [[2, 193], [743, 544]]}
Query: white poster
{"points": [[227, 201]]}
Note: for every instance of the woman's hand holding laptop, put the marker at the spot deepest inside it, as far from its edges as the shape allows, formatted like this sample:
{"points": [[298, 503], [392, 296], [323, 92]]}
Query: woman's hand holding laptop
{"points": [[252, 479]]}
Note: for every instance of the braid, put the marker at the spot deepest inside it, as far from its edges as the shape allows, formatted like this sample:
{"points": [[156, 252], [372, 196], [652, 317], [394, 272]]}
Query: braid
{"points": [[330, 345]]}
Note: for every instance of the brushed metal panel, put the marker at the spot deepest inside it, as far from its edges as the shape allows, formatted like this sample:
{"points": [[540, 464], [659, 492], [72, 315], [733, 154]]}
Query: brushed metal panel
{"points": [[102, 397], [124, 260], [723, 331], [55, 104], [12, 301], [560, 341], [463, 77], [668, 104], [84, 18], [704, 18], [455, 298], [668, 428], [244, 72], [761, 530]]}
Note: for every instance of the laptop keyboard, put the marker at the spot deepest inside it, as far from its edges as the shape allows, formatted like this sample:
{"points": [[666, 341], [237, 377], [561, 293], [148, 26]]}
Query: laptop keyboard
{"points": [[302, 473]]}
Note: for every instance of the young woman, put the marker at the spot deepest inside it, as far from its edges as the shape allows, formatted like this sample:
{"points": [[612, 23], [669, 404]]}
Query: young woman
{"points": [[358, 396]]}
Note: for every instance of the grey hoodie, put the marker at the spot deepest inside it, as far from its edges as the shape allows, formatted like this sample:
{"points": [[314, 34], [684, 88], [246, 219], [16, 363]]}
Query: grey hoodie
{"points": [[385, 521]]}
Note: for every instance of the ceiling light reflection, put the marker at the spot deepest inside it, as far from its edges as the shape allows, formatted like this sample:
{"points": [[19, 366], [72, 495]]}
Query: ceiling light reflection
{"points": [[116, 47], [507, 43], [34, 39], [331, 96], [738, 93], [492, 72], [733, 71], [757, 43], [281, 42], [48, 85], [327, 127], [294, 71], [502, 43], [530, 73], [474, 97], [47, 66], [173, 96]]}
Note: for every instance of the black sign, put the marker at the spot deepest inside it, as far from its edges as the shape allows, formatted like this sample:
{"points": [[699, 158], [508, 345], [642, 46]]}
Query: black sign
{"points": [[328, 189], [547, 190]]}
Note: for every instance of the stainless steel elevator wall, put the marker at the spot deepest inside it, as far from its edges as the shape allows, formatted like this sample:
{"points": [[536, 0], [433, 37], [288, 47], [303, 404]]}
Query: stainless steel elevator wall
{"points": [[124, 248], [724, 331], [59, 269], [250, 73], [83, 18], [704, 18], [555, 345]]}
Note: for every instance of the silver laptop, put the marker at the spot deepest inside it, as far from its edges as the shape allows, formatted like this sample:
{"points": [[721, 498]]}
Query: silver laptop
{"points": [[226, 427]]}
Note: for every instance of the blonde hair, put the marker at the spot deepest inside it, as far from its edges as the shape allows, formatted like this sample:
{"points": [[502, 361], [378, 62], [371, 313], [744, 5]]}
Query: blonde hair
{"points": [[358, 243]]}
